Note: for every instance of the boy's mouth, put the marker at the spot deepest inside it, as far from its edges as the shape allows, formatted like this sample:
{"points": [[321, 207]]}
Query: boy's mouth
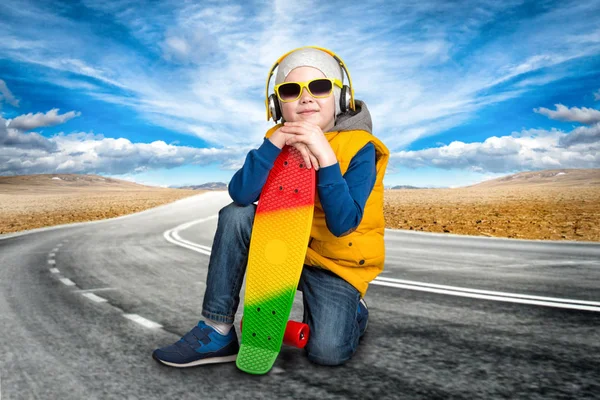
{"points": [[307, 112]]}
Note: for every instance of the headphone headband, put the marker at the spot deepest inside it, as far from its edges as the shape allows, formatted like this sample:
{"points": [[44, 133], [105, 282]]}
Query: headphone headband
{"points": [[331, 53]]}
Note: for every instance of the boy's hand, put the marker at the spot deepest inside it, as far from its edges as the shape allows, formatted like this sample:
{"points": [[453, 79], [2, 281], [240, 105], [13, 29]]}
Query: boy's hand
{"points": [[312, 136], [309, 158], [278, 138]]}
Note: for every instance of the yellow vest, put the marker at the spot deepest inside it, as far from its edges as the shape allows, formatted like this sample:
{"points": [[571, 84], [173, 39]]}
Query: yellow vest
{"points": [[357, 257]]}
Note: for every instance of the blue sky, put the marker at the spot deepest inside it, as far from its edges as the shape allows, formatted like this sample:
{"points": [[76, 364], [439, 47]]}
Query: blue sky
{"points": [[172, 92]]}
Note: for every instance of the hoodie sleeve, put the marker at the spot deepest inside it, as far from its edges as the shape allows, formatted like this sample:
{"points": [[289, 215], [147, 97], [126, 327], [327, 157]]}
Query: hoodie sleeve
{"points": [[344, 197], [247, 183]]}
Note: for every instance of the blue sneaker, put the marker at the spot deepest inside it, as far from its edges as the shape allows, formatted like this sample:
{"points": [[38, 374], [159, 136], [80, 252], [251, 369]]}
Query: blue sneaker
{"points": [[363, 316], [201, 345]]}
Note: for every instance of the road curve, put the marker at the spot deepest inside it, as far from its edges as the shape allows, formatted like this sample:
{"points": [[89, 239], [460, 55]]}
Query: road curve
{"points": [[82, 307]]}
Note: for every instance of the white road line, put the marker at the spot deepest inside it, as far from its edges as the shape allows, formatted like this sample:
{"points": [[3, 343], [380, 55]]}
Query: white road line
{"points": [[187, 246], [54, 250], [51, 262], [172, 236], [487, 292], [54, 270], [51, 255], [59, 245], [67, 281], [486, 297], [94, 290], [142, 321], [176, 236], [95, 298]]}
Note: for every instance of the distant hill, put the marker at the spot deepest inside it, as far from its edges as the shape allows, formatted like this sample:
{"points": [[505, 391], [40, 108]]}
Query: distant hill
{"points": [[206, 186], [549, 177], [406, 187], [62, 182]]}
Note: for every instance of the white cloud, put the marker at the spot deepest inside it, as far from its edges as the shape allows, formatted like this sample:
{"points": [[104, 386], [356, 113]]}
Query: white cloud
{"points": [[31, 121], [583, 135], [30, 153], [597, 95], [584, 115], [6, 95], [526, 150]]}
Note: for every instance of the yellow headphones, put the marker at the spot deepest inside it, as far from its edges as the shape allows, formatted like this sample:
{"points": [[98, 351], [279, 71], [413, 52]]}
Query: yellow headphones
{"points": [[346, 96]]}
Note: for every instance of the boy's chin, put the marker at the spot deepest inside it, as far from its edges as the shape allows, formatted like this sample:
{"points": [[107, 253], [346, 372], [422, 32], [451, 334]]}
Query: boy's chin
{"points": [[314, 118]]}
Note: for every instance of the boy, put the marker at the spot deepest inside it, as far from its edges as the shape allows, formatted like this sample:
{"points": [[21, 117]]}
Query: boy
{"points": [[346, 250]]}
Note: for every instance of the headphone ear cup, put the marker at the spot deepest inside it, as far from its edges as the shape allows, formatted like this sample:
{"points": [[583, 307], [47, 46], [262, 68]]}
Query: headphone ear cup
{"points": [[345, 99], [274, 108]]}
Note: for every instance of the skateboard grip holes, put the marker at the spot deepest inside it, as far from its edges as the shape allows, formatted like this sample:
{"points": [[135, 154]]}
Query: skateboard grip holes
{"points": [[273, 312], [254, 334], [295, 190], [301, 165], [258, 309], [280, 187], [268, 337], [285, 163]]}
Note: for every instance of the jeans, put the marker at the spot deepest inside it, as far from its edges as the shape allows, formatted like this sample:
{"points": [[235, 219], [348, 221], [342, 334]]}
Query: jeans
{"points": [[330, 303]]}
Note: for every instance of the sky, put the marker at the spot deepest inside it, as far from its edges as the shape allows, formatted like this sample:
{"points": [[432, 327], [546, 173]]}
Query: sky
{"points": [[171, 93]]}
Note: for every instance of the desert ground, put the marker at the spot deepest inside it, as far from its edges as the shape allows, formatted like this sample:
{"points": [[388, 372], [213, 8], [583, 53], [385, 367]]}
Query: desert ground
{"points": [[546, 205], [35, 201], [524, 213]]}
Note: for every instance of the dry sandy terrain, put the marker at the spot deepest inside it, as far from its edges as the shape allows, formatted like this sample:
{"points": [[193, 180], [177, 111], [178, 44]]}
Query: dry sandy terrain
{"points": [[35, 201], [523, 213], [551, 205], [555, 205]]}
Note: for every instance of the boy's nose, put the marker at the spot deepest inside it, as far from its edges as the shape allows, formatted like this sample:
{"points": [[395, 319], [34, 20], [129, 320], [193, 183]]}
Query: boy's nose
{"points": [[305, 95]]}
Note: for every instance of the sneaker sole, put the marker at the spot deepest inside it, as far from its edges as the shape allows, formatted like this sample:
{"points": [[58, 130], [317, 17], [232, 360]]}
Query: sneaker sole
{"points": [[214, 360]]}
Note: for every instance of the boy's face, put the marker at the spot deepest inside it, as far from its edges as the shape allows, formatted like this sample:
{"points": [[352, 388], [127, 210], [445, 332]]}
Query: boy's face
{"points": [[325, 108]]}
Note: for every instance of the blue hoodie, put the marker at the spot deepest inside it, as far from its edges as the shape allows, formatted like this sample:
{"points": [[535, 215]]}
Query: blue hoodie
{"points": [[343, 197]]}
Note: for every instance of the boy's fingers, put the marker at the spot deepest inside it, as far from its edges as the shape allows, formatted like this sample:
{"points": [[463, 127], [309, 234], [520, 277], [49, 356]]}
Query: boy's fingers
{"points": [[306, 160], [305, 156], [315, 163]]}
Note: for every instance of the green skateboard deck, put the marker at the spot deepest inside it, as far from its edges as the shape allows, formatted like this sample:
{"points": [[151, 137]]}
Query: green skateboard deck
{"points": [[278, 246]]}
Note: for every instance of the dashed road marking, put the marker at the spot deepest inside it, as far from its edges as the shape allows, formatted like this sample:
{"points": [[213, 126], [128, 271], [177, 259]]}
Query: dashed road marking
{"points": [[51, 262], [51, 255], [94, 290], [54, 250], [67, 281], [142, 321], [54, 270], [59, 245], [95, 298]]}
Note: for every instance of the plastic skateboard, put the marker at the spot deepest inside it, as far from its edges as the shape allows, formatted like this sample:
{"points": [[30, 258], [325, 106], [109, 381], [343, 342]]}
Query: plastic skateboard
{"points": [[278, 245]]}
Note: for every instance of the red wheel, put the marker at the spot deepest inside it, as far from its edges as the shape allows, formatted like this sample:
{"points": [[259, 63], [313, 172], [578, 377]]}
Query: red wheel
{"points": [[241, 323], [296, 334]]}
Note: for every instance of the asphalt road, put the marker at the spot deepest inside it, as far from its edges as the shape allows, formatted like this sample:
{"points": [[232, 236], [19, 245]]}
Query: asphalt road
{"points": [[83, 306]]}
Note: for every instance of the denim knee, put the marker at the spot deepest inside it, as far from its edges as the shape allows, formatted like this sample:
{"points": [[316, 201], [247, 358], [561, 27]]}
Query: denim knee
{"points": [[234, 215], [330, 349]]}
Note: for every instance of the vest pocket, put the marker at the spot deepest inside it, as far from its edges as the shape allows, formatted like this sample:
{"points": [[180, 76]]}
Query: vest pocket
{"points": [[342, 251]]}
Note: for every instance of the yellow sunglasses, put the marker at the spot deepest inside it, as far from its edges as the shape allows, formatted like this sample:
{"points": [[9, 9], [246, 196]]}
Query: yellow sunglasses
{"points": [[318, 88]]}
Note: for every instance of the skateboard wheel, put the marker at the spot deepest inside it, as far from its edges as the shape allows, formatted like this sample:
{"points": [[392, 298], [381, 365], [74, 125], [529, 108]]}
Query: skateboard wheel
{"points": [[296, 334]]}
